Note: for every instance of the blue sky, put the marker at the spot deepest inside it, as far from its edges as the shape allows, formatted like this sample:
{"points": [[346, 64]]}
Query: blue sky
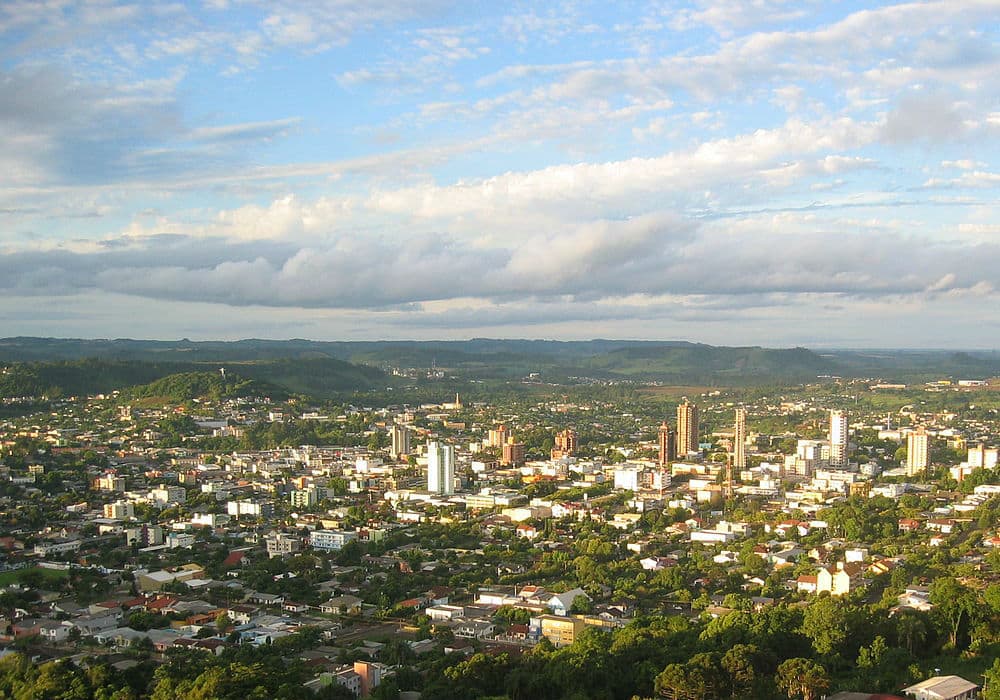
{"points": [[726, 171]]}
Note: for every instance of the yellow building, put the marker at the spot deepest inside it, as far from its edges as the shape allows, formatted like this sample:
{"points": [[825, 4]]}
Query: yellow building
{"points": [[561, 631]]}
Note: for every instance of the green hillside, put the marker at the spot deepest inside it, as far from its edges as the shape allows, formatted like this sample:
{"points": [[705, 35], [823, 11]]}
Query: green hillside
{"points": [[183, 381], [211, 385], [80, 377]]}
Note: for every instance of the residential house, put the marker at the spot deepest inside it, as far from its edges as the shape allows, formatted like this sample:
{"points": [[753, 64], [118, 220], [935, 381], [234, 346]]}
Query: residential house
{"points": [[560, 603], [943, 688], [342, 605], [839, 580]]}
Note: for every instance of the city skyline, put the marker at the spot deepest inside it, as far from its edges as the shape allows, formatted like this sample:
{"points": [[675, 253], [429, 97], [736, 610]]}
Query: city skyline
{"points": [[739, 172]]}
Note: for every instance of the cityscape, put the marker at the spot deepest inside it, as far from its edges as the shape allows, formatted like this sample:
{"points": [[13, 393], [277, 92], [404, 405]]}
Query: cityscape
{"points": [[208, 535], [457, 349]]}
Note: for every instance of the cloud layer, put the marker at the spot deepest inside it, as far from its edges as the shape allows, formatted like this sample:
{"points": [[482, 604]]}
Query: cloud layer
{"points": [[396, 168]]}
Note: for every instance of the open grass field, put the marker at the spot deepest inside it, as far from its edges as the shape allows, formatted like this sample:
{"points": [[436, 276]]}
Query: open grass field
{"points": [[47, 575]]}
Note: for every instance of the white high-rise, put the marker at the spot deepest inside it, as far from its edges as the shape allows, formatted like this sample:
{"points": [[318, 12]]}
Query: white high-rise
{"points": [[916, 452], [838, 439], [740, 439], [440, 468]]}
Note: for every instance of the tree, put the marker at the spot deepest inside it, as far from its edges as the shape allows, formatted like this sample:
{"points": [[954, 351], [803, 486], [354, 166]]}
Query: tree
{"points": [[953, 603], [743, 663], [991, 686], [223, 621], [830, 623], [700, 678], [911, 629], [802, 678]]}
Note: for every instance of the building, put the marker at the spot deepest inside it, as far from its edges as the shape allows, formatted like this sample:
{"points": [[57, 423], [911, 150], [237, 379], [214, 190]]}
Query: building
{"points": [[943, 688], [980, 456], [250, 508], [498, 437], [513, 454], [561, 631], [740, 439], [667, 444], [331, 540], [440, 468], [371, 673], [304, 498], [627, 478], [145, 536], [111, 482], [280, 543], [916, 452], [119, 510], [400, 435], [838, 439], [841, 579], [168, 494], [687, 429], [566, 444]]}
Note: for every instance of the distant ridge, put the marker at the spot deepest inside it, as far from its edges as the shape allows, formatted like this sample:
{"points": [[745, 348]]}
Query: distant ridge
{"points": [[328, 367]]}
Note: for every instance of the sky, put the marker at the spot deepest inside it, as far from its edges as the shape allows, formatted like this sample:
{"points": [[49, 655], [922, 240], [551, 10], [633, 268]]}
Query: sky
{"points": [[814, 173]]}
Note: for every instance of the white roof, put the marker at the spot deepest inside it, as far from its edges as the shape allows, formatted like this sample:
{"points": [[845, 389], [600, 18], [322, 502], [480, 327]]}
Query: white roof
{"points": [[942, 687]]}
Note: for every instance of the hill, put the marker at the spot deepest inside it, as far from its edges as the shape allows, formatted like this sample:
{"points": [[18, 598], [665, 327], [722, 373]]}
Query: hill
{"points": [[205, 385], [326, 368], [186, 380]]}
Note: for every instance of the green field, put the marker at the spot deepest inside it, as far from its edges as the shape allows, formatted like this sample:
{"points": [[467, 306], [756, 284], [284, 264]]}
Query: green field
{"points": [[48, 576]]}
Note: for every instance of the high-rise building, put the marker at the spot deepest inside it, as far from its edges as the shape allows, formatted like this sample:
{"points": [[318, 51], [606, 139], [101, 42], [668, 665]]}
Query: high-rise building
{"points": [[687, 429], [566, 444], [513, 454], [498, 437], [400, 441], [667, 444], [916, 452], [838, 439], [740, 439], [440, 468]]}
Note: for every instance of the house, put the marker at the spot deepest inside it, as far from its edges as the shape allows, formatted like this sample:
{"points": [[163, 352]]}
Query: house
{"points": [[560, 603], [915, 597], [342, 605], [908, 525], [265, 598], [438, 595], [943, 688], [444, 612], [28, 627], [90, 625], [786, 557], [943, 525], [474, 629], [805, 584], [526, 531], [882, 566], [657, 563], [243, 614], [290, 606], [54, 631], [839, 580]]}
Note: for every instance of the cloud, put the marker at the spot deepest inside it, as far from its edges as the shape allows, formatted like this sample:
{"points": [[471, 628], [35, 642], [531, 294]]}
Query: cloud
{"points": [[58, 130], [919, 118], [639, 259]]}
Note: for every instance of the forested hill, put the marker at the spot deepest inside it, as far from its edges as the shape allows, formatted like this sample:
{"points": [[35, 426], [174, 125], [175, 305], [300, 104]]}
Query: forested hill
{"points": [[79, 377], [306, 366], [180, 381], [212, 385]]}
